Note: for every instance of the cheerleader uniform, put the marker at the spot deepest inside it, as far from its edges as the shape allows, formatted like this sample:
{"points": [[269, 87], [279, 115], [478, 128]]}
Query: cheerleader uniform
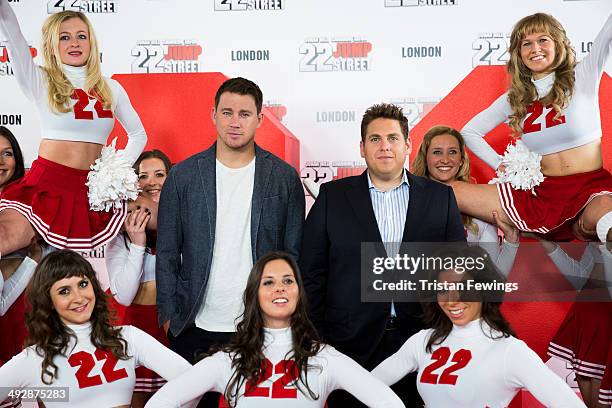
{"points": [[557, 199], [53, 197], [95, 378], [128, 266], [605, 391], [585, 335], [475, 367], [329, 370], [502, 255]]}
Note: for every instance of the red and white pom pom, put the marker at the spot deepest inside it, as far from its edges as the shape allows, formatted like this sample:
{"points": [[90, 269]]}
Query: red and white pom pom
{"points": [[111, 180], [522, 168]]}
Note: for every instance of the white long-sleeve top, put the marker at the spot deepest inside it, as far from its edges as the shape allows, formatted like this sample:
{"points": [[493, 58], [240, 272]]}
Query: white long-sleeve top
{"points": [[94, 378], [502, 255], [581, 123], [474, 367], [332, 370], [576, 272], [15, 284], [88, 121], [128, 266]]}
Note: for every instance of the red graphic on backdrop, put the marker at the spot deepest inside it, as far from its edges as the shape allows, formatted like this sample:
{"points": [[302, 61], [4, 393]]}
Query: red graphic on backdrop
{"points": [[4, 57], [183, 52], [175, 111], [352, 49]]}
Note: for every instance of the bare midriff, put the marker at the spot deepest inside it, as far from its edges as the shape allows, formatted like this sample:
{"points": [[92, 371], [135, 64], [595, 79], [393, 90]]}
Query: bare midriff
{"points": [[146, 294], [580, 159], [78, 155]]}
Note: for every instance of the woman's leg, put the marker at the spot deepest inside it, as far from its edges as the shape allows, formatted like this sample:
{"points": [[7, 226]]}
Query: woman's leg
{"points": [[589, 389], [16, 232], [479, 201], [595, 222]]}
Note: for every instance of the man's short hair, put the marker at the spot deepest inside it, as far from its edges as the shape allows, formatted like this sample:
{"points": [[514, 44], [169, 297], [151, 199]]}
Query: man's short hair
{"points": [[241, 86], [386, 111]]}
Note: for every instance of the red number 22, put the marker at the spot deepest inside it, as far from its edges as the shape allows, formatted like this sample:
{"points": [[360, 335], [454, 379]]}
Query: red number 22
{"points": [[286, 367], [534, 111], [82, 101], [461, 358], [86, 363]]}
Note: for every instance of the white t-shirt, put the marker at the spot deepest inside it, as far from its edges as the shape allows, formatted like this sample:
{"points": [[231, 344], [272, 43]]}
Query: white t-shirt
{"points": [[330, 370], [473, 369], [94, 378], [232, 254]]}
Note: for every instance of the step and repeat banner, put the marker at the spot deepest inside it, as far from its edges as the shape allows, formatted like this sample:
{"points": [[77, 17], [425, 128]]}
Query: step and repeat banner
{"points": [[320, 64]]}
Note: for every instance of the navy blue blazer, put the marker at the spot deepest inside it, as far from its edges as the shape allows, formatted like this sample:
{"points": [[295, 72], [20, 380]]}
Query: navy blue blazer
{"points": [[186, 227], [341, 219]]}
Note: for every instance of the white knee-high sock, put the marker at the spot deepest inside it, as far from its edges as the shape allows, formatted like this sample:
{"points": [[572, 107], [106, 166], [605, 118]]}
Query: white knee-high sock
{"points": [[603, 226]]}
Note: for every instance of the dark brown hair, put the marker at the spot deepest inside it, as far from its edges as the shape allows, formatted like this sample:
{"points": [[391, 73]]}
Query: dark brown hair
{"points": [[246, 346], [47, 332], [17, 154], [491, 300], [153, 154], [241, 86], [385, 111]]}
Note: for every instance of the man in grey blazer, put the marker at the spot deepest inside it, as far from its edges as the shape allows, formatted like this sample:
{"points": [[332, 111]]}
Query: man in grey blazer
{"points": [[219, 211]]}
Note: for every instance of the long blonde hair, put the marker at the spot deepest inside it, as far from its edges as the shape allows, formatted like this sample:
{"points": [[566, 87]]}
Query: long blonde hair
{"points": [[419, 164], [60, 88], [522, 92]]}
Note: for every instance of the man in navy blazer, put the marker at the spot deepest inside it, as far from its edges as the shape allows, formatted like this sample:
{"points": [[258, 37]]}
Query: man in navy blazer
{"points": [[219, 211], [384, 204]]}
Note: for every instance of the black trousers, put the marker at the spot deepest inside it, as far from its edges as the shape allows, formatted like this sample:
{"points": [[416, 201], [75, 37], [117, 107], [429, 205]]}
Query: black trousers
{"points": [[405, 388], [190, 344]]}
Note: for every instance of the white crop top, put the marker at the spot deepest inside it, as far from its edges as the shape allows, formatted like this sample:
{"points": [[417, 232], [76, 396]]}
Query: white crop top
{"points": [[88, 121], [580, 123], [95, 378], [329, 370], [475, 367]]}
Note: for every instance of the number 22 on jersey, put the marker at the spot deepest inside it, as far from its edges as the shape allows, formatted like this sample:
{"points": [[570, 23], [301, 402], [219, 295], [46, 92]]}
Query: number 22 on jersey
{"points": [[82, 102], [440, 356], [286, 367], [85, 361], [534, 111]]}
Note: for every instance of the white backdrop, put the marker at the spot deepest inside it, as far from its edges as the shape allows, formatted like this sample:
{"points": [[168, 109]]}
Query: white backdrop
{"points": [[320, 63]]}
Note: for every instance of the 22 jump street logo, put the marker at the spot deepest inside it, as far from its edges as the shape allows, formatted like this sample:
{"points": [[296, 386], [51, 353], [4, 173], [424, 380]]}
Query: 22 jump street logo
{"points": [[417, 3], [323, 171], [248, 5], [415, 108], [5, 62], [341, 54], [85, 6], [155, 56], [277, 109], [491, 49]]}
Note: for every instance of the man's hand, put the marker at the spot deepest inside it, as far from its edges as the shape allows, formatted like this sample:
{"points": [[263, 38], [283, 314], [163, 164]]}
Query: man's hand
{"points": [[166, 326]]}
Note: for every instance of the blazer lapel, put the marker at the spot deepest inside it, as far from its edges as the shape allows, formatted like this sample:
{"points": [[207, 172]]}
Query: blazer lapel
{"points": [[263, 170], [417, 208], [358, 196], [208, 182]]}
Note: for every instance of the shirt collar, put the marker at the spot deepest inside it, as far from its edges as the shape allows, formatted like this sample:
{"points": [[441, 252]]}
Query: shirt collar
{"points": [[404, 181]]}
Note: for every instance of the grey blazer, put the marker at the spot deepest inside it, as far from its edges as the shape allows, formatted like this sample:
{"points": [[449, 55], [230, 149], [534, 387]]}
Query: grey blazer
{"points": [[186, 227]]}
